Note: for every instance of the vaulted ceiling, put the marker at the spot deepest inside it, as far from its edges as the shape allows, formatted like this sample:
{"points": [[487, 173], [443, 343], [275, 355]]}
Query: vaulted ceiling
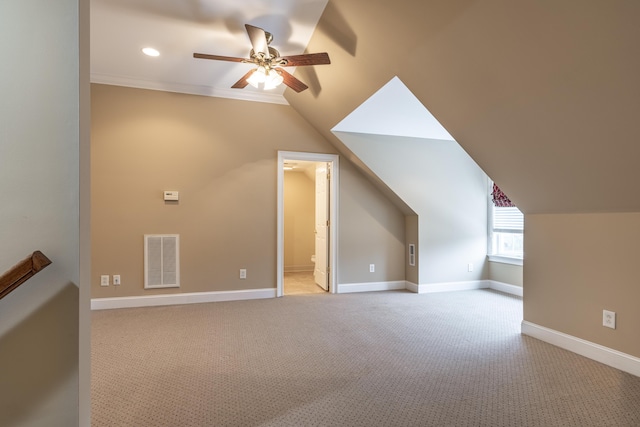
{"points": [[542, 94]]}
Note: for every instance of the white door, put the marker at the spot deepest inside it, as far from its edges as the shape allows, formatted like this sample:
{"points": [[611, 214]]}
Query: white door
{"points": [[322, 226]]}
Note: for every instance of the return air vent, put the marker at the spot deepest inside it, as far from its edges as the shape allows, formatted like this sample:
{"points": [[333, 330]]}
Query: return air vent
{"points": [[412, 254], [161, 261]]}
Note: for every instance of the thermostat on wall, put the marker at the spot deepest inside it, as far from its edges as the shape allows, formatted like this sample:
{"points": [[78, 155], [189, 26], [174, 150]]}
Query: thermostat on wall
{"points": [[171, 195]]}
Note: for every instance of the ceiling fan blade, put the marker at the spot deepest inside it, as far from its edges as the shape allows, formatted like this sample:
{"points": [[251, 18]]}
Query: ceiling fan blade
{"points": [[307, 59], [291, 81], [218, 57], [242, 83], [258, 38]]}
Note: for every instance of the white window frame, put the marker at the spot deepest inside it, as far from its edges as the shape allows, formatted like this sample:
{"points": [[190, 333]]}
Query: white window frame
{"points": [[504, 259]]}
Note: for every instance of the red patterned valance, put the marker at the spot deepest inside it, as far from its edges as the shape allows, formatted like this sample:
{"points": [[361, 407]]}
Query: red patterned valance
{"points": [[500, 199]]}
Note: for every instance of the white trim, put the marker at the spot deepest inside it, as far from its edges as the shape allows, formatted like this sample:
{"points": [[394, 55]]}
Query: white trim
{"points": [[183, 298], [248, 294], [345, 288], [506, 288], [427, 288], [430, 287], [242, 95], [411, 287], [506, 260], [334, 159], [597, 352]]}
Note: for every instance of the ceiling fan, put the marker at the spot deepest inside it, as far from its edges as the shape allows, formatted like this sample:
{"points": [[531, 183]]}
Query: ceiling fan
{"points": [[269, 72]]}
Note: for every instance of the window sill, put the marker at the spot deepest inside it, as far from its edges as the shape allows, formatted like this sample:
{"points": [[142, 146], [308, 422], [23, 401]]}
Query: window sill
{"points": [[505, 259]]}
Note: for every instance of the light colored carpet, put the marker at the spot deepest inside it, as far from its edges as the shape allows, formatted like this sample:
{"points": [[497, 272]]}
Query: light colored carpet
{"points": [[301, 282], [367, 359]]}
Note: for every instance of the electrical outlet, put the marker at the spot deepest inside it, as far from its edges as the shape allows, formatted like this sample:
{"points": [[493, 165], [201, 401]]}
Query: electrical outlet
{"points": [[469, 267], [243, 273], [609, 319], [116, 280], [104, 280], [372, 268]]}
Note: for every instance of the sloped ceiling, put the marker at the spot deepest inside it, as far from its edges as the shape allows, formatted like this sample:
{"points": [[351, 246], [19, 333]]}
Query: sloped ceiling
{"points": [[543, 95]]}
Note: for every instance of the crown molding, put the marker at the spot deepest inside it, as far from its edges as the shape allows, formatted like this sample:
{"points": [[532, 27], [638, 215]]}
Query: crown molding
{"points": [[242, 95]]}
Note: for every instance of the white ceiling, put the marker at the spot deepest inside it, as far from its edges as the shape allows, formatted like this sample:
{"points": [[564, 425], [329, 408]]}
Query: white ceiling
{"points": [[394, 110], [121, 28]]}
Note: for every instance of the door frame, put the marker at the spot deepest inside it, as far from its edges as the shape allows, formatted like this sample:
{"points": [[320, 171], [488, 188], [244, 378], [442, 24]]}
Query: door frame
{"points": [[333, 159]]}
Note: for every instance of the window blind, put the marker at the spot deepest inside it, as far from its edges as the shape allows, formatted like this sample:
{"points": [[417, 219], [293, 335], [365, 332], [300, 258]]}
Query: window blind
{"points": [[507, 220]]}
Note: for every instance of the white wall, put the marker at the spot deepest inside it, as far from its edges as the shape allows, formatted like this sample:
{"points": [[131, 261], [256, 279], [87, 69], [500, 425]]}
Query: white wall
{"points": [[506, 273], [447, 190], [39, 170]]}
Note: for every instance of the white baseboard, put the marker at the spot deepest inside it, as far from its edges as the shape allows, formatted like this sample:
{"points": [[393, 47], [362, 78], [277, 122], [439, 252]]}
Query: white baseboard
{"points": [[430, 287], [203, 297], [177, 299], [426, 288], [412, 287], [597, 352], [346, 288], [465, 286], [505, 287]]}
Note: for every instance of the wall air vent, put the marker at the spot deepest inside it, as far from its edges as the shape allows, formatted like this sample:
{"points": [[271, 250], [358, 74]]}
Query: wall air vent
{"points": [[161, 261], [412, 254]]}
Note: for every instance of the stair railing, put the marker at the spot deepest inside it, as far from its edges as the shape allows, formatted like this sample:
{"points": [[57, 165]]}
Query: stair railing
{"points": [[22, 271]]}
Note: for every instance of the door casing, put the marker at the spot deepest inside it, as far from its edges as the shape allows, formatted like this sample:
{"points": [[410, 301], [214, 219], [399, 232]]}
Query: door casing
{"points": [[333, 159]]}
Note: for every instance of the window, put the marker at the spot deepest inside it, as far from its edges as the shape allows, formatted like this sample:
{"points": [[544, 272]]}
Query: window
{"points": [[507, 237], [506, 229]]}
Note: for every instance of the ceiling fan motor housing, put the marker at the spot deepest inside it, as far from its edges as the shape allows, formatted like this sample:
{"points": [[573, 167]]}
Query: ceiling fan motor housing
{"points": [[270, 61]]}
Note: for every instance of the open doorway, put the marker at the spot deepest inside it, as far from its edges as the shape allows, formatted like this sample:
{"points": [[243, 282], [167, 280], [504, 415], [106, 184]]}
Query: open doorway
{"points": [[307, 206], [305, 227]]}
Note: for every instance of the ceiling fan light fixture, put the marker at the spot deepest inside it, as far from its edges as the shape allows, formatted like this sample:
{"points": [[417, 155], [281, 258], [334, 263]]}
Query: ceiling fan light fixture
{"points": [[259, 76], [267, 77], [269, 73], [274, 79]]}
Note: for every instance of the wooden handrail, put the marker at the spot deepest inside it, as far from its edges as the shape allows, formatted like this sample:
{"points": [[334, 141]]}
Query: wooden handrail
{"points": [[22, 271]]}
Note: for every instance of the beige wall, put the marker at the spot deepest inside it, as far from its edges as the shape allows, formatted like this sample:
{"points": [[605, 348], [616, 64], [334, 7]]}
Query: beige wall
{"points": [[576, 266], [221, 155], [371, 231], [299, 221], [505, 273], [41, 339]]}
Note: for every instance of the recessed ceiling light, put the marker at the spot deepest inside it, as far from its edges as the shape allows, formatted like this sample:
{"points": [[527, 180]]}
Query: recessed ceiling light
{"points": [[149, 51]]}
